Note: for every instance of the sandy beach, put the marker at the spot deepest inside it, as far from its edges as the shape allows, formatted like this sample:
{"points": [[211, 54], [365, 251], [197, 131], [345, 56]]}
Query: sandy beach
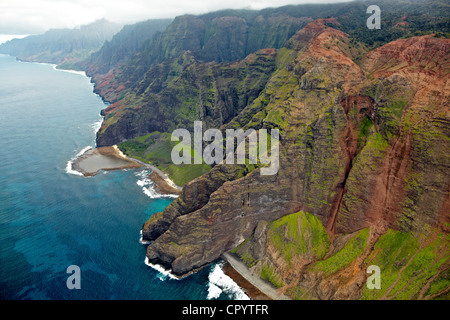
{"points": [[164, 184]]}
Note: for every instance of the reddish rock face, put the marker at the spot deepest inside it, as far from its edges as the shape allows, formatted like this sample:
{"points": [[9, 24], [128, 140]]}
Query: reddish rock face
{"points": [[355, 141]]}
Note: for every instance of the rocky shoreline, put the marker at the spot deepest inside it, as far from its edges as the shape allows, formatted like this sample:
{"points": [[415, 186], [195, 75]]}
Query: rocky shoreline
{"points": [[164, 184]]}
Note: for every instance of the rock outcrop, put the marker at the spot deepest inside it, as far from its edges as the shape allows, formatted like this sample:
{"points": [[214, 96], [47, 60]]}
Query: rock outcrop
{"points": [[181, 90], [364, 160]]}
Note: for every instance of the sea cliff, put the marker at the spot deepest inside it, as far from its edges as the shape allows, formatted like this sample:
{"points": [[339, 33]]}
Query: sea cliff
{"points": [[363, 169], [364, 147]]}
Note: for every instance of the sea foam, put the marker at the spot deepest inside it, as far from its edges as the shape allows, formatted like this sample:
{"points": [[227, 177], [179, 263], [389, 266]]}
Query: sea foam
{"points": [[219, 282], [163, 274], [69, 168], [96, 126], [82, 73], [142, 241], [148, 186]]}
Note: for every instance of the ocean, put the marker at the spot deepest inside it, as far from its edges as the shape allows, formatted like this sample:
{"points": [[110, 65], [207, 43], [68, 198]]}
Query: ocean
{"points": [[51, 217]]}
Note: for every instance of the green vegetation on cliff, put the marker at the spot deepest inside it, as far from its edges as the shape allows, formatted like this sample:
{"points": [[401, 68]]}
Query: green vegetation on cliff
{"points": [[123, 45], [353, 248], [179, 91], [412, 266], [363, 175], [364, 149], [155, 148], [299, 234], [64, 47], [360, 157]]}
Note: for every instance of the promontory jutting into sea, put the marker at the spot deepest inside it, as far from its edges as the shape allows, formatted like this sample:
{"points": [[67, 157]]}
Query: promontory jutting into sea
{"points": [[52, 218], [299, 152]]}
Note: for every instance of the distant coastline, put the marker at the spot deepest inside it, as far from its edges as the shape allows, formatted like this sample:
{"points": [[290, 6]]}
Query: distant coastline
{"points": [[82, 73], [94, 160], [255, 286]]}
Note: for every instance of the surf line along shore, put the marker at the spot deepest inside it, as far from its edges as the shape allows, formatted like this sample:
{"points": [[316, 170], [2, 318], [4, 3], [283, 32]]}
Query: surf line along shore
{"points": [[93, 160], [111, 158]]}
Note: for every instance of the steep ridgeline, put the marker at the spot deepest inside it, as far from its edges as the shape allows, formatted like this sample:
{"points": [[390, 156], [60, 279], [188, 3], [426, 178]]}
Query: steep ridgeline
{"points": [[132, 79], [223, 36], [64, 47], [122, 46], [181, 90], [364, 123], [364, 171]]}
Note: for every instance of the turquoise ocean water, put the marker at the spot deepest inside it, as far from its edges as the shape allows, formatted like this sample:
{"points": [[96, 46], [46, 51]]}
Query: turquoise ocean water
{"points": [[51, 218]]}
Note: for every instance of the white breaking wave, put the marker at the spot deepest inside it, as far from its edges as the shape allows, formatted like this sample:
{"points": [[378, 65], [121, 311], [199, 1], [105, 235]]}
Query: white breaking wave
{"points": [[213, 291], [69, 168], [219, 282], [69, 71], [85, 149], [163, 273], [141, 239], [96, 126], [148, 186]]}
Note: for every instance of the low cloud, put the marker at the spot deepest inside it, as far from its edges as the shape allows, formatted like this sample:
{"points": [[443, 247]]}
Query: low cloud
{"points": [[37, 16]]}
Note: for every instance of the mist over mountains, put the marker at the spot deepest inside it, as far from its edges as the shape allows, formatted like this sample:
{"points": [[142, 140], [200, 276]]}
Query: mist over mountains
{"points": [[364, 124]]}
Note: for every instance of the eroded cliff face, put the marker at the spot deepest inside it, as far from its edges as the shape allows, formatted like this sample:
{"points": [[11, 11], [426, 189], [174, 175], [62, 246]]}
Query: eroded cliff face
{"points": [[363, 179], [181, 90], [225, 36]]}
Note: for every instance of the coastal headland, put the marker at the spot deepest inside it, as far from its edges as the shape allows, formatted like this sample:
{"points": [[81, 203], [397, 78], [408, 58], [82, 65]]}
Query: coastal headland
{"points": [[104, 158], [111, 158]]}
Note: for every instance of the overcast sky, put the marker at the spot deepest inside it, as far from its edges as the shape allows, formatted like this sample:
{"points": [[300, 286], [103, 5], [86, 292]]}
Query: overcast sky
{"points": [[36, 16]]}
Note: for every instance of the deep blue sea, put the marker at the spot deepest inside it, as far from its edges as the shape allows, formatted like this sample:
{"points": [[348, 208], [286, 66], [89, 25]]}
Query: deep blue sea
{"points": [[51, 218]]}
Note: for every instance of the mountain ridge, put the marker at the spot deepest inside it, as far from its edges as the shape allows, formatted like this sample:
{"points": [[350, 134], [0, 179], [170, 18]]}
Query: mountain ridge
{"points": [[366, 142], [364, 124]]}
